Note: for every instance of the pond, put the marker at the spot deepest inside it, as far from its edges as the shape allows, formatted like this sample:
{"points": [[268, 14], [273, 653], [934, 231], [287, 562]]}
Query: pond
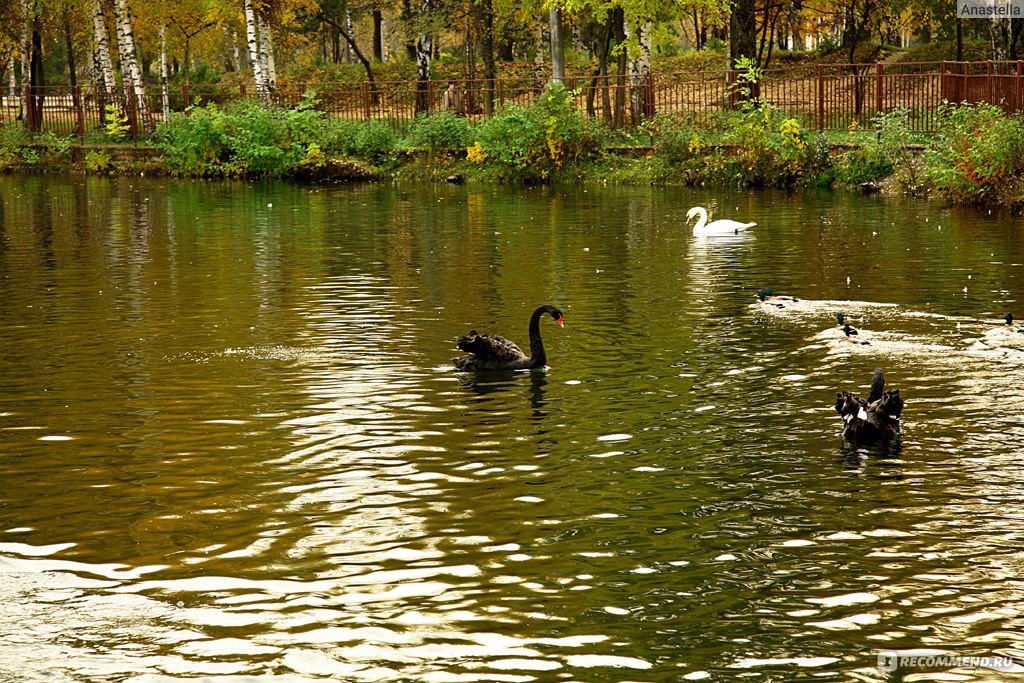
{"points": [[233, 445]]}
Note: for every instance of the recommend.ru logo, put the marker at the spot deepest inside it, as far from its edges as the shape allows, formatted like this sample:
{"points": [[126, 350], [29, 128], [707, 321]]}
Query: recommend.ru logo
{"points": [[894, 660]]}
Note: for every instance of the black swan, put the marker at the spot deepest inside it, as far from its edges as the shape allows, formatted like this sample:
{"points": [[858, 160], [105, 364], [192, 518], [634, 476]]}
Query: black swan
{"points": [[497, 353], [872, 420], [765, 296]]}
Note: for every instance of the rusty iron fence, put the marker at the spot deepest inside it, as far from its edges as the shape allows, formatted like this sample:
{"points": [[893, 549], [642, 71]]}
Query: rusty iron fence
{"points": [[822, 97]]}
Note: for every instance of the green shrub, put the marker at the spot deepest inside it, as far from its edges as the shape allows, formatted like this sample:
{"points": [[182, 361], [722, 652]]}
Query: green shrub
{"points": [[43, 152], [248, 137], [193, 142], [530, 144], [98, 162], [771, 149], [373, 140], [979, 154], [678, 138], [439, 132]]}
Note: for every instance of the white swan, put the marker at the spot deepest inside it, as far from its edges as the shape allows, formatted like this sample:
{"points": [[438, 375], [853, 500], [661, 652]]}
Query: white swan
{"points": [[722, 226]]}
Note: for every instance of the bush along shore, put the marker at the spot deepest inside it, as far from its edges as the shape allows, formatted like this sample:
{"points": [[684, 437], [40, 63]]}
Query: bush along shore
{"points": [[976, 157]]}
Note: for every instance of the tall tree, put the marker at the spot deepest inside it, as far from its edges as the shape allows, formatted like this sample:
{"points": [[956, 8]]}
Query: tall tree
{"points": [[102, 47], [742, 32], [557, 44], [253, 42], [640, 86], [485, 11], [424, 49], [131, 74]]}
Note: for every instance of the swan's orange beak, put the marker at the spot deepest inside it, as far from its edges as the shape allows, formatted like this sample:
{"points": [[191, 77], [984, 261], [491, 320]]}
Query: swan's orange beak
{"points": [[559, 321]]}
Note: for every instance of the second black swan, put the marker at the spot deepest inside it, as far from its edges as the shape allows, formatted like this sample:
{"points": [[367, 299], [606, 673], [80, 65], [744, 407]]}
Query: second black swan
{"points": [[874, 419], [488, 352]]}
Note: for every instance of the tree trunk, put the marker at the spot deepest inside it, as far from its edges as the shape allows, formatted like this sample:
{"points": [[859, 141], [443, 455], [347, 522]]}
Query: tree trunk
{"points": [[72, 76], [596, 82], [742, 31], [423, 49], [641, 100], [26, 58], [378, 36], [350, 41], [130, 65], [253, 41], [557, 45], [267, 52], [165, 95], [487, 48], [999, 32], [99, 25], [38, 77], [538, 55], [619, 113]]}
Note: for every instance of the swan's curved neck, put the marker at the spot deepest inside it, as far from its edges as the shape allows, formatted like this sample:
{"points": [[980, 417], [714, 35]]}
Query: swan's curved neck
{"points": [[702, 219], [538, 358]]}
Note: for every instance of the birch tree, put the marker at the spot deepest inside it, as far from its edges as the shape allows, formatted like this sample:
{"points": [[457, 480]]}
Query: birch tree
{"points": [[253, 42], [424, 48], [165, 95], [131, 74], [26, 60], [641, 97], [266, 42], [102, 46]]}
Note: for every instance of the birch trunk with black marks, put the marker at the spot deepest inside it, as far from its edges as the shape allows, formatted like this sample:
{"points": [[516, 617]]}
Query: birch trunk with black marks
{"points": [[641, 99], [165, 95], [26, 56], [424, 50], [131, 74], [99, 29], [266, 43], [253, 41]]}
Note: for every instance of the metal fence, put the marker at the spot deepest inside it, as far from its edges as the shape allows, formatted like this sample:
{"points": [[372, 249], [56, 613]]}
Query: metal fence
{"points": [[823, 97]]}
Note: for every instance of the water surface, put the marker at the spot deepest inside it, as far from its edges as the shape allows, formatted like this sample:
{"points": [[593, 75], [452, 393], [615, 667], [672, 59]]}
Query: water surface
{"points": [[232, 446]]}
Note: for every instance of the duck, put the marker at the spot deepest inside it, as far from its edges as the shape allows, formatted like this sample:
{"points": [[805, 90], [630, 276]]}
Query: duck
{"points": [[722, 226], [872, 420], [851, 336], [1007, 333], [766, 297], [491, 352]]}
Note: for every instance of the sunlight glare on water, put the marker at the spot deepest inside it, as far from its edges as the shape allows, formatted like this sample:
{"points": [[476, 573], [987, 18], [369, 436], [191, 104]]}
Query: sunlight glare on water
{"points": [[233, 445]]}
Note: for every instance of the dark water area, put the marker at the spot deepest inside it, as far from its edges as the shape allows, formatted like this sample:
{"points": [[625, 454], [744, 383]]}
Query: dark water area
{"points": [[233, 447]]}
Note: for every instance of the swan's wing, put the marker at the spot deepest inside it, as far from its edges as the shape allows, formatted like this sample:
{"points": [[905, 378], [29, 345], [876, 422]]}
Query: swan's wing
{"points": [[723, 226], [491, 348]]}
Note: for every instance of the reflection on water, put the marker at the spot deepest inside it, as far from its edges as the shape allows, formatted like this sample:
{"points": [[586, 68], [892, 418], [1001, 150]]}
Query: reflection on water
{"points": [[232, 445]]}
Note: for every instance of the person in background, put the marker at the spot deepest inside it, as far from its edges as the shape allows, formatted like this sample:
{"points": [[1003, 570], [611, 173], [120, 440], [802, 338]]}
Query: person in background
{"points": [[453, 100]]}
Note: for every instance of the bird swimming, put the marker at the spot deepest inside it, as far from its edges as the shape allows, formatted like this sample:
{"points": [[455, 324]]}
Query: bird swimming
{"points": [[722, 226], [488, 352], [877, 418], [765, 296]]}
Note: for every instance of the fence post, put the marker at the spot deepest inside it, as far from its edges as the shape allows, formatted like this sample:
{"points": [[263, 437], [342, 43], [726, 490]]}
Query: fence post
{"points": [[821, 97], [366, 100], [879, 100], [1017, 102], [988, 81]]}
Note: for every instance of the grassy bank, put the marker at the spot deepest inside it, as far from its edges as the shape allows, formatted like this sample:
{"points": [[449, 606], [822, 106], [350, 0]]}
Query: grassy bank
{"points": [[976, 158]]}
